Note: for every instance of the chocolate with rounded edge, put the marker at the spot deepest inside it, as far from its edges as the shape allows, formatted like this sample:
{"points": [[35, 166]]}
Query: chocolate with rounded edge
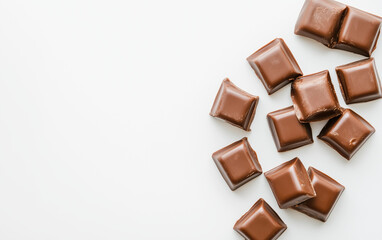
{"points": [[359, 81], [260, 222], [234, 105], [314, 98], [237, 163], [274, 65], [288, 133], [290, 183], [346, 133], [328, 191]]}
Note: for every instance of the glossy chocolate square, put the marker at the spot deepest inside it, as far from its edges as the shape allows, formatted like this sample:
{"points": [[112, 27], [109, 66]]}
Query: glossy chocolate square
{"points": [[288, 133], [260, 222], [234, 105], [346, 133], [314, 98], [290, 183], [359, 32], [328, 191], [275, 65], [320, 20], [359, 81], [237, 163]]}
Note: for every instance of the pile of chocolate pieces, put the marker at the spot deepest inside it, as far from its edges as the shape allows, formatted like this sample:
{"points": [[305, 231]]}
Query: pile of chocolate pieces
{"points": [[311, 192]]}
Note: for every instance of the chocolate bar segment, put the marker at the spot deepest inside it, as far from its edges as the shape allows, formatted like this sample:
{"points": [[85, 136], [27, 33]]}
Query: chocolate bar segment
{"points": [[237, 163], [359, 32], [346, 133], [275, 65], [328, 191], [314, 98], [320, 20], [359, 81], [290, 183], [288, 133], [339, 26], [234, 105], [260, 222]]}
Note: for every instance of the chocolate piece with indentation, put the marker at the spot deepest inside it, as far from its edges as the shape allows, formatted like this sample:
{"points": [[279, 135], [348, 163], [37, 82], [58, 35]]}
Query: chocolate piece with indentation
{"points": [[346, 133], [328, 191], [275, 65], [234, 105], [359, 81], [260, 222], [288, 133], [290, 183], [359, 32], [314, 98], [320, 20], [237, 163]]}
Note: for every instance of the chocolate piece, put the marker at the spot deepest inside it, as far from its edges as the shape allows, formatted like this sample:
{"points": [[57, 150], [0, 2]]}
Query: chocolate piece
{"points": [[359, 32], [260, 222], [339, 26], [320, 20], [359, 81], [346, 133], [328, 191], [237, 163], [288, 133], [275, 65], [290, 183], [314, 98], [234, 105]]}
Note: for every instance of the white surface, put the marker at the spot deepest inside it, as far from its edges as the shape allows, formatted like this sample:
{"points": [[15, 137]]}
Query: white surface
{"points": [[104, 125]]}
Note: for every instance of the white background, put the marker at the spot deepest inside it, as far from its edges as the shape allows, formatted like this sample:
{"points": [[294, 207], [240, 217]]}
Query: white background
{"points": [[104, 125]]}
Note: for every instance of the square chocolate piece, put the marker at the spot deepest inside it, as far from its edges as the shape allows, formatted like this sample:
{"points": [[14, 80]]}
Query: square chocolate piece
{"points": [[328, 191], [346, 133], [234, 105], [359, 32], [288, 133], [359, 81], [290, 183], [260, 222], [314, 98], [275, 65], [320, 20], [237, 163]]}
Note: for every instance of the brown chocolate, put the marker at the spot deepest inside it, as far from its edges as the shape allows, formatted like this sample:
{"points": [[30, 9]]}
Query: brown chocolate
{"points": [[314, 98], [320, 20], [288, 133], [359, 32], [359, 81], [346, 133], [260, 222], [290, 183], [339, 26], [275, 65], [237, 163], [234, 105], [328, 191]]}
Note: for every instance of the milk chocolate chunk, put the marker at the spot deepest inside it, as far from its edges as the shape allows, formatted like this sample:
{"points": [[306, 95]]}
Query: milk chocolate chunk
{"points": [[234, 105], [359, 81], [359, 32], [290, 183], [320, 20], [328, 191], [314, 98], [288, 133], [237, 163], [275, 65], [261, 222], [346, 133]]}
